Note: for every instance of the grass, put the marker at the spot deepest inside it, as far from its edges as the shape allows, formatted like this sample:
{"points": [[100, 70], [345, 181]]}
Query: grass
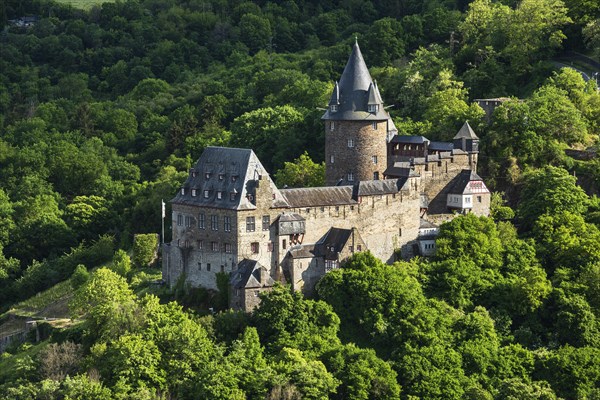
{"points": [[34, 306], [84, 4]]}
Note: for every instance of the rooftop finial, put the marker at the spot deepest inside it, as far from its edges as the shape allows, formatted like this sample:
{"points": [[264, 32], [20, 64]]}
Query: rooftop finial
{"points": [[355, 39]]}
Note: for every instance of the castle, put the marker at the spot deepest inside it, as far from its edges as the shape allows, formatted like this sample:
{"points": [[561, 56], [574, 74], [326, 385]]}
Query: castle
{"points": [[385, 193]]}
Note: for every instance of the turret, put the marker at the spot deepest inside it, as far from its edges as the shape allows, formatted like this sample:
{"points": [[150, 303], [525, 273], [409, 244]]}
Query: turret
{"points": [[356, 126]]}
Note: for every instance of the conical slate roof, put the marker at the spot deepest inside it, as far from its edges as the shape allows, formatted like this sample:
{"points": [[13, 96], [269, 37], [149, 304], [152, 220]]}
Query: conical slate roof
{"points": [[353, 94], [466, 132]]}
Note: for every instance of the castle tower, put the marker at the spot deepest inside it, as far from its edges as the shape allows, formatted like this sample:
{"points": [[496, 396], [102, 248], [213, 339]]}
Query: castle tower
{"points": [[356, 127], [468, 141]]}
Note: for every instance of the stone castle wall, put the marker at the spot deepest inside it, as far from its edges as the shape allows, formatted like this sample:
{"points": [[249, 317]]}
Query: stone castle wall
{"points": [[367, 142]]}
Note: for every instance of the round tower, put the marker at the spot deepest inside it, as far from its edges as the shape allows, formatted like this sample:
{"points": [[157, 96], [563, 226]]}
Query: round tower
{"points": [[356, 127]]}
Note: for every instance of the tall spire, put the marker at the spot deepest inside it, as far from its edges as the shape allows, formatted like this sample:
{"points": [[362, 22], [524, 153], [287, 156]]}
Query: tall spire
{"points": [[354, 92]]}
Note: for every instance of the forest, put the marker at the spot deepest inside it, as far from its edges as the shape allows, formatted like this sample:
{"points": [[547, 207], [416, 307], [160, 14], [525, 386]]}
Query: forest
{"points": [[103, 111]]}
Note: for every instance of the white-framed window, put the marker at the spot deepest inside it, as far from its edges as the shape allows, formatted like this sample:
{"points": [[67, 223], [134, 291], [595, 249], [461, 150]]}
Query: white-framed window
{"points": [[374, 159], [200, 245], [350, 177], [206, 193], [182, 191], [250, 224], [188, 221], [266, 222], [227, 247], [227, 224], [214, 246], [179, 220], [333, 108], [350, 143], [201, 221], [193, 192], [214, 222], [373, 108], [219, 195]]}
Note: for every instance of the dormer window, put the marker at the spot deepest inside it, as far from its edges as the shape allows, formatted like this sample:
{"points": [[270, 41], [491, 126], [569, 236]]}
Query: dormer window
{"points": [[373, 108], [333, 108], [232, 196], [206, 193], [221, 177], [193, 173], [193, 192], [233, 178], [183, 191], [207, 175], [219, 195]]}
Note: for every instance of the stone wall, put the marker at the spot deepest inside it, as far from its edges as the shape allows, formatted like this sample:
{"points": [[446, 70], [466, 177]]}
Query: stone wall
{"points": [[367, 143]]}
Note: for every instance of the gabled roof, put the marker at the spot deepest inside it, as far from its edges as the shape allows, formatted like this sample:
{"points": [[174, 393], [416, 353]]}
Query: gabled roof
{"points": [[332, 243], [226, 171], [424, 224], [335, 96], [353, 92], [466, 132], [466, 176], [302, 251], [374, 96], [250, 274]]}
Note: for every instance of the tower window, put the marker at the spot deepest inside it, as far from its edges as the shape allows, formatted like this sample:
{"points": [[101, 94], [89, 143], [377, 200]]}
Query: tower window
{"points": [[350, 177], [374, 125], [350, 143], [375, 176], [179, 220], [373, 108], [254, 247], [331, 159], [333, 108], [332, 125], [374, 158]]}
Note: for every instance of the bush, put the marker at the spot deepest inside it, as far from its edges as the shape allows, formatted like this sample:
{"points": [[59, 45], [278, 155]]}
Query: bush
{"points": [[144, 249]]}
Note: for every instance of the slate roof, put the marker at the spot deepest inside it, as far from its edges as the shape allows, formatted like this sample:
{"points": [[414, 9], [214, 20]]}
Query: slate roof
{"points": [[440, 146], [250, 274], [318, 196], [332, 243], [466, 132], [407, 139], [352, 93], [302, 251], [378, 187], [461, 185], [424, 224], [226, 171], [400, 169]]}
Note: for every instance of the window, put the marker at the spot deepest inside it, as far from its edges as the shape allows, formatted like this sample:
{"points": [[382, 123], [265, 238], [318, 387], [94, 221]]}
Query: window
{"points": [[333, 108], [232, 196], [266, 222], [227, 247], [200, 244], [283, 244], [214, 246], [227, 224], [331, 159], [373, 108], [208, 266], [350, 177], [214, 222], [359, 248], [270, 246], [193, 192], [233, 178], [332, 125], [219, 195], [250, 224], [222, 268], [350, 143], [193, 173], [374, 159], [182, 190], [188, 221], [254, 247], [206, 193], [186, 244], [374, 125], [207, 175], [179, 220], [376, 176], [479, 199], [199, 266], [330, 264], [351, 248], [201, 221], [256, 292], [221, 177]]}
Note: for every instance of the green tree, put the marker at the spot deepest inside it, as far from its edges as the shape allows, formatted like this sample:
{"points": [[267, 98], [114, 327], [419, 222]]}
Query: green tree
{"points": [[121, 263], [303, 172], [144, 249]]}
